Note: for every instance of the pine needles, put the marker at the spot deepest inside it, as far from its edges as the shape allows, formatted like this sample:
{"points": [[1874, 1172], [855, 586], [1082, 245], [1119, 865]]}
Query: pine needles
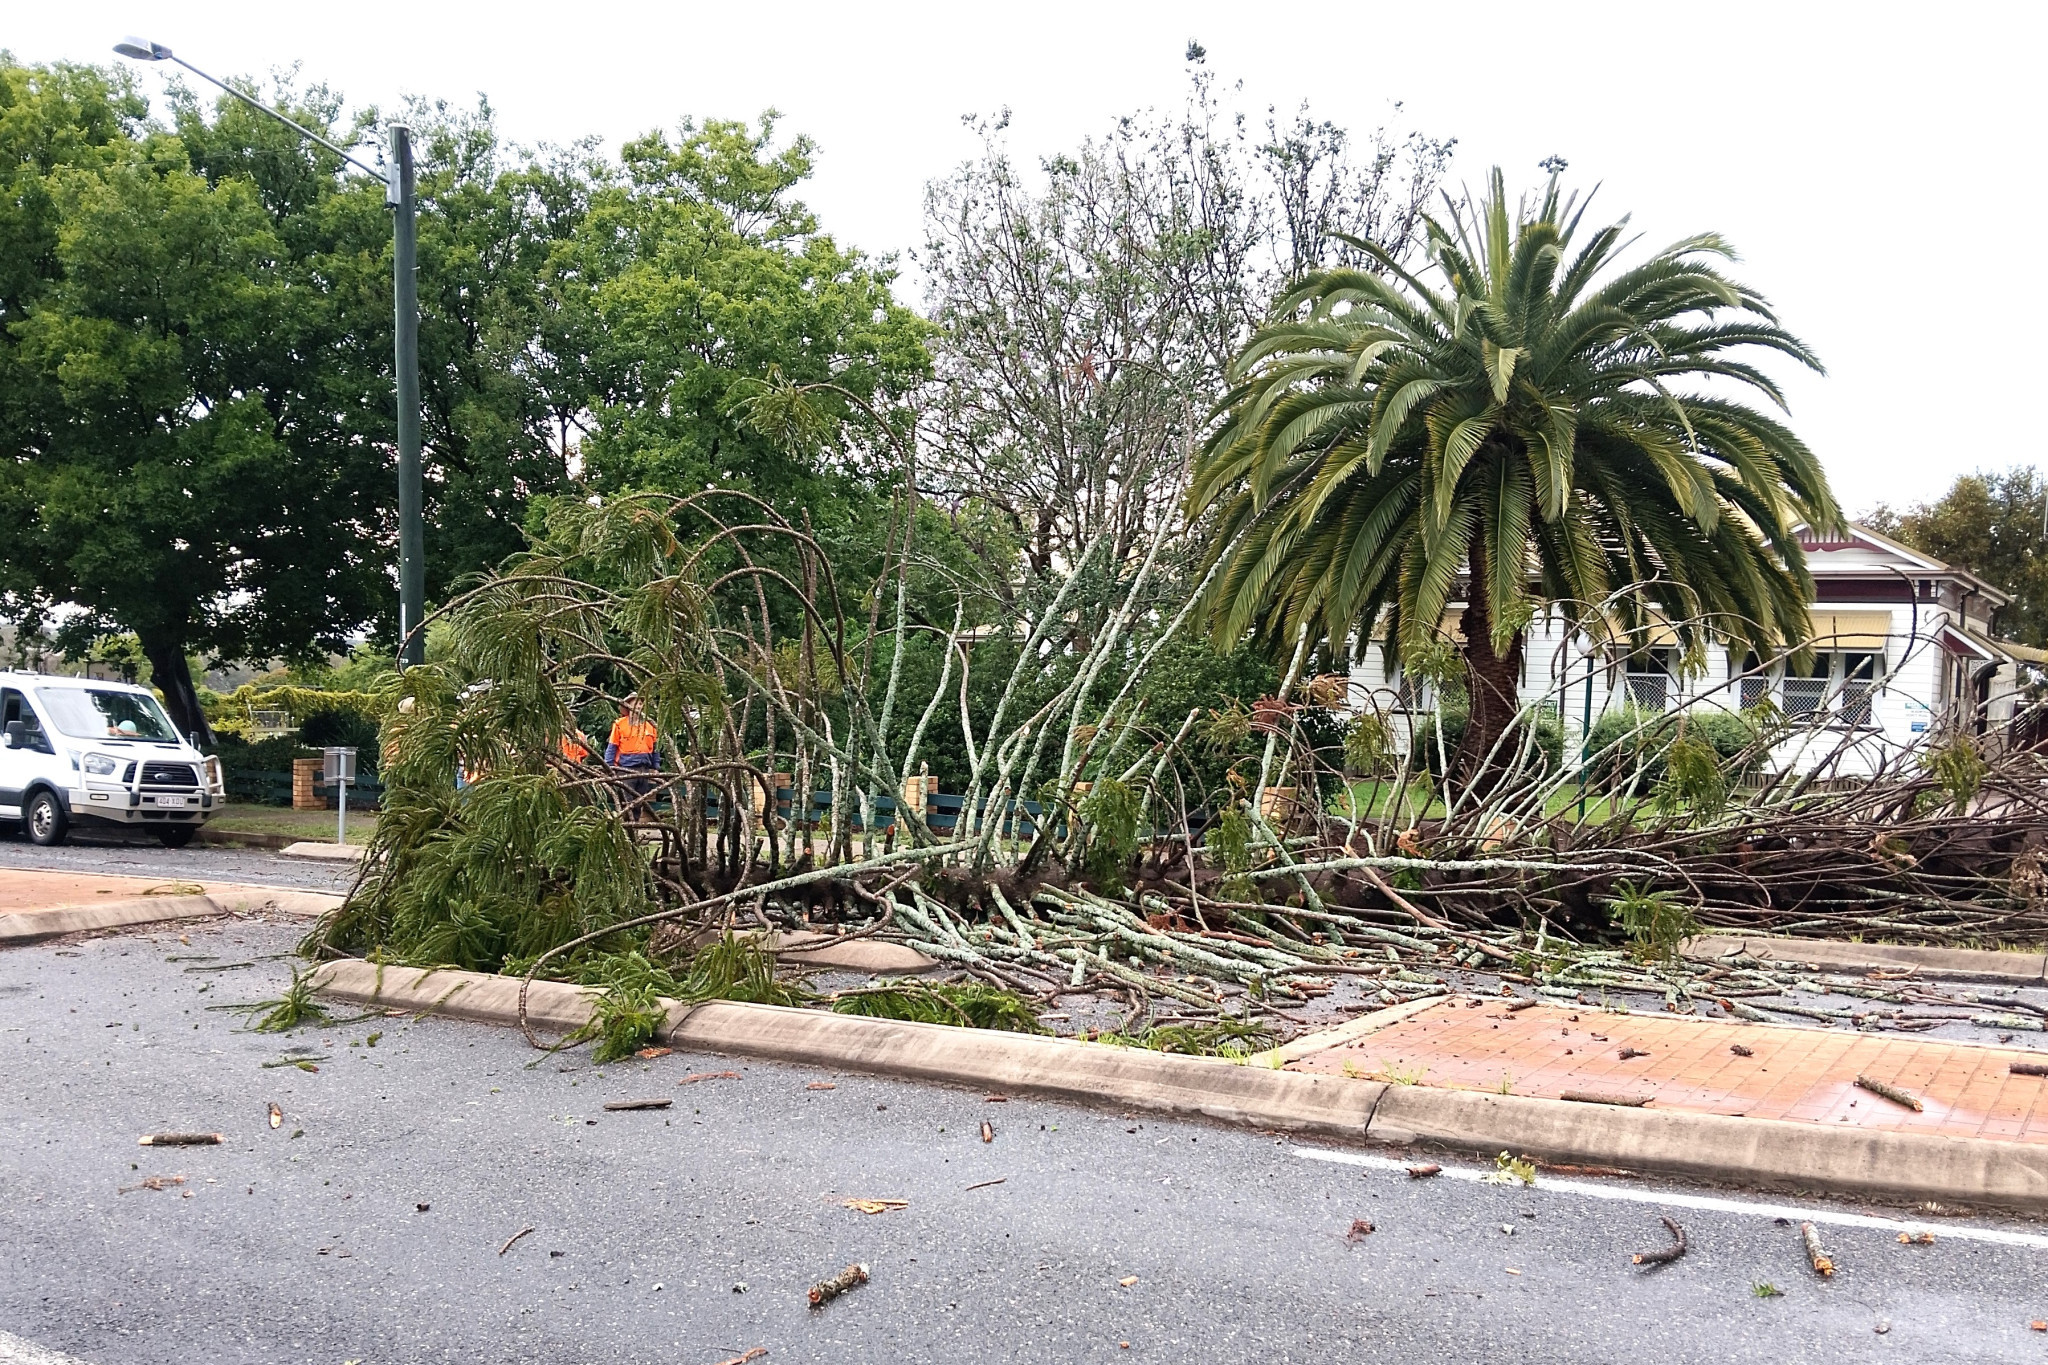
{"points": [[297, 1006], [969, 1005]]}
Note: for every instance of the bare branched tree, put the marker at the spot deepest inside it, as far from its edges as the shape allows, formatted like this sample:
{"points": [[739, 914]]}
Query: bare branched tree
{"points": [[1087, 314]]}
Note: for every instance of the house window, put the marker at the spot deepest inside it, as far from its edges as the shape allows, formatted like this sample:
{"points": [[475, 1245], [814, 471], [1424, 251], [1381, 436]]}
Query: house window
{"points": [[1806, 696], [1753, 681], [1843, 685], [1649, 680], [1859, 680]]}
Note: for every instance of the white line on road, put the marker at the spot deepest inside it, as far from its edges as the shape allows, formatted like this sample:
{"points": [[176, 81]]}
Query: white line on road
{"points": [[15, 1351], [1704, 1202]]}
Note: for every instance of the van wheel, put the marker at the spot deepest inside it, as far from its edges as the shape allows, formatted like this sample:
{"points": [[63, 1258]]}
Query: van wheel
{"points": [[45, 820], [175, 836]]}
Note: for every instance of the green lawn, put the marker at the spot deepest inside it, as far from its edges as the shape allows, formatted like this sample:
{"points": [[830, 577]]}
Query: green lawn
{"points": [[316, 826], [1373, 800]]}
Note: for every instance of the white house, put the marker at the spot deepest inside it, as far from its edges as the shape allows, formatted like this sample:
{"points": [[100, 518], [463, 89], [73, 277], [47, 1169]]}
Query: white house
{"points": [[1899, 639]]}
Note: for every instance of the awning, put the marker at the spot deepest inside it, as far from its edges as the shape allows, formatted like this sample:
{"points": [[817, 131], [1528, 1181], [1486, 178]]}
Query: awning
{"points": [[1968, 645], [1976, 645], [1850, 629]]}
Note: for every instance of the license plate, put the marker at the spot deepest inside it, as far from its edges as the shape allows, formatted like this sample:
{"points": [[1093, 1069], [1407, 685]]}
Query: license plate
{"points": [[173, 800]]}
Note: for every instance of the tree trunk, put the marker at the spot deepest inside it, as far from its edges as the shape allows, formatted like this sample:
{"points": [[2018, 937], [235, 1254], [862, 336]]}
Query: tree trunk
{"points": [[173, 678], [1493, 679]]}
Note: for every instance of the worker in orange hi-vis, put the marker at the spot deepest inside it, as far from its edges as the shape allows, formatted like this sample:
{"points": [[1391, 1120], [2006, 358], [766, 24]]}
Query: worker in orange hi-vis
{"points": [[575, 746], [631, 749]]}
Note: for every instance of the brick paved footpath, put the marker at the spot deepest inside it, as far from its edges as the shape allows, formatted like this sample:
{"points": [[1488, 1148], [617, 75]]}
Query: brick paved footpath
{"points": [[23, 889], [1801, 1074]]}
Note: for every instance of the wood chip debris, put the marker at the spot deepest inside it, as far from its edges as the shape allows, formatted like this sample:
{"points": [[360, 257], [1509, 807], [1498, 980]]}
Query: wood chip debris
{"points": [[1517, 1006], [513, 1238], [1663, 1255], [1823, 1264], [1602, 1097], [2028, 1068], [152, 1182], [1740, 1051], [179, 1140], [276, 1117], [824, 1291], [1424, 1171], [1360, 1230], [696, 1076], [1924, 1239], [1629, 1052], [620, 1106], [995, 1099], [984, 1184], [1892, 1093], [875, 1205], [988, 1131], [821, 1085], [750, 1354], [1127, 1281]]}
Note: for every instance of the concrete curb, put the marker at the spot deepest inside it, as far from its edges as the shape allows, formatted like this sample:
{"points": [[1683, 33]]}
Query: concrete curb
{"points": [[1958, 964], [1018, 1063], [1760, 1152], [1765, 1152], [332, 853], [28, 926]]}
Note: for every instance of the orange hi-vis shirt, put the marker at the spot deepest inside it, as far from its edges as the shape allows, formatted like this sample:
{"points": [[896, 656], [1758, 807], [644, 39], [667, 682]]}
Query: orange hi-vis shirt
{"points": [[631, 736], [573, 750]]}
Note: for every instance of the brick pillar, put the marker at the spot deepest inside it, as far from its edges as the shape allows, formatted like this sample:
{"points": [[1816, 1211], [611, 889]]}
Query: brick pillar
{"points": [[304, 770]]}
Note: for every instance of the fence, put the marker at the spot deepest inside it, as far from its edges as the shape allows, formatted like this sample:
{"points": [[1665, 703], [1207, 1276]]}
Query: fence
{"points": [[263, 788]]}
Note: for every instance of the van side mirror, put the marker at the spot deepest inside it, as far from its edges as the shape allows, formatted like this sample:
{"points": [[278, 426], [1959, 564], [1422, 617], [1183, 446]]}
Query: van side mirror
{"points": [[17, 735]]}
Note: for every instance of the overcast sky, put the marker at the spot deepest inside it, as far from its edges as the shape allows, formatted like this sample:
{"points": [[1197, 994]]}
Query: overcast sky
{"points": [[1876, 164]]}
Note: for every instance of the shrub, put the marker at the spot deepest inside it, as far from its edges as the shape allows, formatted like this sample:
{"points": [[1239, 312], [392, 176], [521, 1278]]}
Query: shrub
{"points": [[344, 729], [1549, 755], [1629, 743]]}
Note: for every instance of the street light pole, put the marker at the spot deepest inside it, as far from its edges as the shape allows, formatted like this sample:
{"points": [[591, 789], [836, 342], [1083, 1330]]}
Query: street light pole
{"points": [[405, 303], [412, 575]]}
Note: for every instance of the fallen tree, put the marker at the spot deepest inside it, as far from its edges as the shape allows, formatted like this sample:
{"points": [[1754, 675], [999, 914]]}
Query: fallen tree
{"points": [[1095, 846]]}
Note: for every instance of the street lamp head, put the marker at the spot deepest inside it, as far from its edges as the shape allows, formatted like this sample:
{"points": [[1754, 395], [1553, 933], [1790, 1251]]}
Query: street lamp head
{"points": [[141, 49]]}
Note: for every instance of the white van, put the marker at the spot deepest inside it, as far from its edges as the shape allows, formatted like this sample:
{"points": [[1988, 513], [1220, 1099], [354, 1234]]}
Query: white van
{"points": [[75, 751]]}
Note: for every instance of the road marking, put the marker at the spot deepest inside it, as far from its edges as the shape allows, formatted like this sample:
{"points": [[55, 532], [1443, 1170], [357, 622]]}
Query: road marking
{"points": [[1706, 1203], [15, 1351]]}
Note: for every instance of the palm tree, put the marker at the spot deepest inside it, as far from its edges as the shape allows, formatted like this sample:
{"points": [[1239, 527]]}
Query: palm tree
{"points": [[1529, 427]]}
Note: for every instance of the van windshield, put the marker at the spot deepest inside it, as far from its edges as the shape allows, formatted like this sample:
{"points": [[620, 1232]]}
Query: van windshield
{"points": [[90, 713]]}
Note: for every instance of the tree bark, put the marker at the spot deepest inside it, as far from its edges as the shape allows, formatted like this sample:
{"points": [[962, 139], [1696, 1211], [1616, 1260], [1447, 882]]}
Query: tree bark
{"points": [[1493, 681], [173, 678]]}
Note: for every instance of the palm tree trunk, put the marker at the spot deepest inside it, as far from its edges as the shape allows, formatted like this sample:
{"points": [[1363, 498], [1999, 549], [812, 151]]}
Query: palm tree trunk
{"points": [[1493, 680]]}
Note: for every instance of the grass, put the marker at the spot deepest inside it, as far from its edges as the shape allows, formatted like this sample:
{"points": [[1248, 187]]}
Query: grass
{"points": [[1368, 799], [316, 826]]}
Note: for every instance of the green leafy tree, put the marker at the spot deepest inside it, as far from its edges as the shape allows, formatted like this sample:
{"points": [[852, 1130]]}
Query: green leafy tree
{"points": [[195, 369], [1526, 427], [154, 481], [697, 275], [1992, 524]]}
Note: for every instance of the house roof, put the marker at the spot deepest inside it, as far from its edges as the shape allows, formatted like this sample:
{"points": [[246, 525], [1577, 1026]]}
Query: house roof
{"points": [[1913, 561]]}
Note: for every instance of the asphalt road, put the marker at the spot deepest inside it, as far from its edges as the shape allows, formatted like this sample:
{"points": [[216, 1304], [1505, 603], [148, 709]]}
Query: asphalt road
{"points": [[118, 853], [368, 1226]]}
